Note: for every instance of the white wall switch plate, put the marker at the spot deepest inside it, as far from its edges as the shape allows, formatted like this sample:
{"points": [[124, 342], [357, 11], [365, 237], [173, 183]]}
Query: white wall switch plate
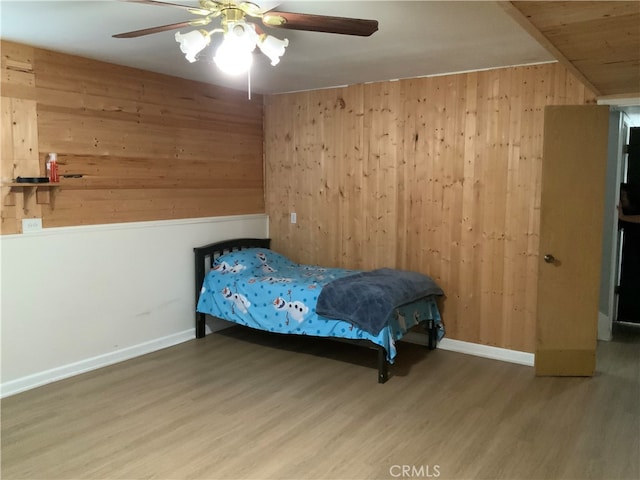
{"points": [[31, 225], [294, 217]]}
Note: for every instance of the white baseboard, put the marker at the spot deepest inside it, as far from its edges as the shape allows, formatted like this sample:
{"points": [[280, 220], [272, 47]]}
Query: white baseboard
{"points": [[486, 351], [48, 376], [59, 373]]}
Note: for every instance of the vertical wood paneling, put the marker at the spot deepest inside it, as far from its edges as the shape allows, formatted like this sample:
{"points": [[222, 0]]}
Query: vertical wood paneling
{"points": [[19, 150], [440, 175], [352, 179], [149, 146], [381, 151], [466, 298]]}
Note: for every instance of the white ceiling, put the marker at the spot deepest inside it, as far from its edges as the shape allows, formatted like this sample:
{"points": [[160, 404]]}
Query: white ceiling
{"points": [[415, 38]]}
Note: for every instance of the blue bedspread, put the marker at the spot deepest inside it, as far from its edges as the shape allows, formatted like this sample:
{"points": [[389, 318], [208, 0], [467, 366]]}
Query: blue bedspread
{"points": [[368, 299], [262, 289]]}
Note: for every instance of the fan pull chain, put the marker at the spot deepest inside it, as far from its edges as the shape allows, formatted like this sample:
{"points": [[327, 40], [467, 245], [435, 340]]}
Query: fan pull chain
{"points": [[249, 82]]}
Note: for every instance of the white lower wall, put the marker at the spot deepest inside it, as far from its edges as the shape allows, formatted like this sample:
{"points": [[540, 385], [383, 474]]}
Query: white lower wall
{"points": [[79, 298]]}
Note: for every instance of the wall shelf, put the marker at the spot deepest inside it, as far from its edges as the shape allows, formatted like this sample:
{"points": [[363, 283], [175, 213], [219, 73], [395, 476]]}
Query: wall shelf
{"points": [[42, 191], [36, 185]]}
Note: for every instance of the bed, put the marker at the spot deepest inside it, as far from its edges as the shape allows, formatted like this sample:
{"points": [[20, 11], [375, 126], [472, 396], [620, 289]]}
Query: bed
{"points": [[244, 282]]}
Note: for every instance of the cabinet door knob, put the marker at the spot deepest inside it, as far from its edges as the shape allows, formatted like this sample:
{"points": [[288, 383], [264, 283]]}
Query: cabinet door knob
{"points": [[549, 258]]}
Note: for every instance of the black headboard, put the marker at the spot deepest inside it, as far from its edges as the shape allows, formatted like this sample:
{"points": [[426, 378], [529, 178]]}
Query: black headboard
{"points": [[210, 252]]}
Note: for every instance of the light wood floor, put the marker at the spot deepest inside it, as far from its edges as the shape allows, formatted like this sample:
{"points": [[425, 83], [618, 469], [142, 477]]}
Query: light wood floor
{"points": [[242, 405]]}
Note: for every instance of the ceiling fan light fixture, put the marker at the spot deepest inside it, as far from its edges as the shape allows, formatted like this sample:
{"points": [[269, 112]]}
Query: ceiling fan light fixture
{"points": [[193, 43], [272, 47], [242, 34], [240, 38], [234, 54], [231, 60]]}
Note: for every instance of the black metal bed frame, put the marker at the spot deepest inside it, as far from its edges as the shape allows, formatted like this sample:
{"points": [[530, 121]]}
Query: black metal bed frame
{"points": [[213, 250]]}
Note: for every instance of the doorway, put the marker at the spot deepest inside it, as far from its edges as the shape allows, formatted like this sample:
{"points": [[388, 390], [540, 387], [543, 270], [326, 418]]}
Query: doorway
{"points": [[622, 119], [628, 301]]}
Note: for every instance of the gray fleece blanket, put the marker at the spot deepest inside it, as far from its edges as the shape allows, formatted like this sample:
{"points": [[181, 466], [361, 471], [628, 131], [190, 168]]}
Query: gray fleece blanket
{"points": [[368, 299]]}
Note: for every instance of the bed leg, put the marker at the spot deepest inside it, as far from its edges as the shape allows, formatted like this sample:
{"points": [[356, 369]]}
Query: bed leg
{"points": [[383, 366], [200, 324], [432, 330]]}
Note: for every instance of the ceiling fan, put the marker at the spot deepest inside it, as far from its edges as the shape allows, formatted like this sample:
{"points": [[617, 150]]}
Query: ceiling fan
{"points": [[241, 36]]}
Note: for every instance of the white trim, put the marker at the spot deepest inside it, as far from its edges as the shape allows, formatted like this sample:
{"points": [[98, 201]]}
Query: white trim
{"points": [[42, 378], [485, 351], [55, 374], [428, 75], [604, 327], [135, 225], [631, 100]]}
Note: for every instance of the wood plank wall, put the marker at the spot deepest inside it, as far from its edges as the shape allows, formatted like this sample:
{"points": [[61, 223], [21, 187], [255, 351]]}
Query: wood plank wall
{"points": [[149, 146], [439, 175]]}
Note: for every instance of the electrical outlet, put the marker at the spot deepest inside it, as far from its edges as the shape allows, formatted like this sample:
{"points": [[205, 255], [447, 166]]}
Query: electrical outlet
{"points": [[294, 217], [31, 225]]}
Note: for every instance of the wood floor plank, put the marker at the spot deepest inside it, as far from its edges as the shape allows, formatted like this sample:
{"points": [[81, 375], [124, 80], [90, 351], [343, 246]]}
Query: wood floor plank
{"points": [[247, 405]]}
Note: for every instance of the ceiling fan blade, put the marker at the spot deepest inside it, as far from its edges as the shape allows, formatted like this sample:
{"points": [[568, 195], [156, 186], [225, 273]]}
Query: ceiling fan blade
{"points": [[320, 23], [163, 28], [194, 10]]}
